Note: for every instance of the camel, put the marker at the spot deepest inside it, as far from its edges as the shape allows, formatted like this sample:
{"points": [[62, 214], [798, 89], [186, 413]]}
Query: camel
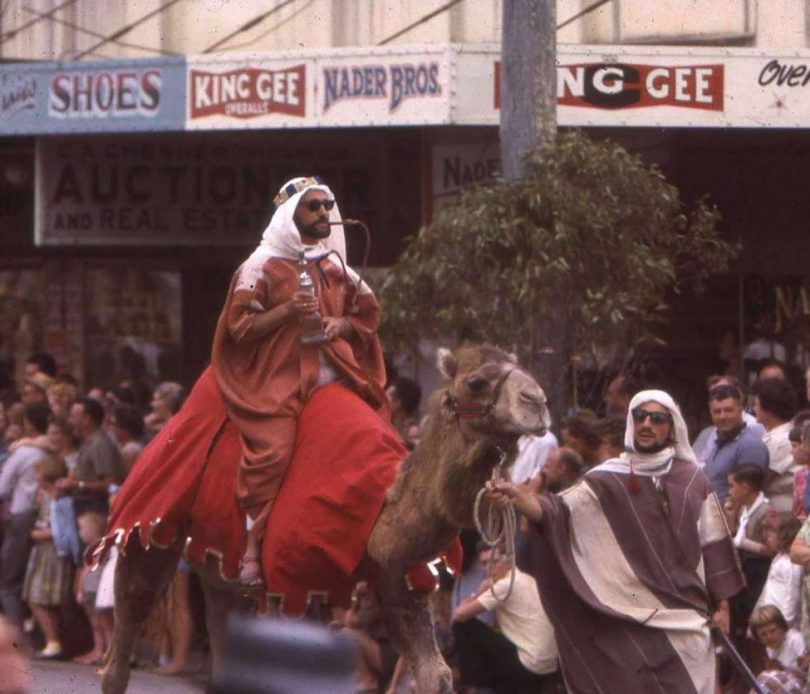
{"points": [[487, 402]]}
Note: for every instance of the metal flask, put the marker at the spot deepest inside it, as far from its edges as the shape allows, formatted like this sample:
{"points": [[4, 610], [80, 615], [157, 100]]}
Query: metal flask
{"points": [[311, 324]]}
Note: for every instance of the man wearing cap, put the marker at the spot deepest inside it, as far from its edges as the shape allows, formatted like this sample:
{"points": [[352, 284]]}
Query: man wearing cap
{"points": [[264, 371], [634, 562]]}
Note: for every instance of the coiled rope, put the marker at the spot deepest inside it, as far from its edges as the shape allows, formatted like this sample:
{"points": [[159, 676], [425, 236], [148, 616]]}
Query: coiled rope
{"points": [[497, 530]]}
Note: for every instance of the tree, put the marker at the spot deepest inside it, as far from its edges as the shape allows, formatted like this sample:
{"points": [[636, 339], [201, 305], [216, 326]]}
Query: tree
{"points": [[589, 238]]}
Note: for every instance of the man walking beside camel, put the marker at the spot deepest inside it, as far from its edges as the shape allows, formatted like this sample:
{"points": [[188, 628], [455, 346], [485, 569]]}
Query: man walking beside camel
{"points": [[634, 562]]}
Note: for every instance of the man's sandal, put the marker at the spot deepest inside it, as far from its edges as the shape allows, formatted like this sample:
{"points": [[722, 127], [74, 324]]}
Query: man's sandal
{"points": [[251, 574]]}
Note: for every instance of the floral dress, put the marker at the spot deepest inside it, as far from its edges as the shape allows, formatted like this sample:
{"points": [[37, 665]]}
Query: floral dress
{"points": [[48, 577]]}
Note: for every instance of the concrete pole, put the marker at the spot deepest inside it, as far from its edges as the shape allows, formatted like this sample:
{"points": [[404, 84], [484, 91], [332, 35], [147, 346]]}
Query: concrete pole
{"points": [[528, 79], [529, 119]]}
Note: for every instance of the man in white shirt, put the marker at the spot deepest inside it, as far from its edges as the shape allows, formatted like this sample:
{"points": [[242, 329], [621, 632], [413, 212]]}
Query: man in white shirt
{"points": [[522, 657], [774, 407]]}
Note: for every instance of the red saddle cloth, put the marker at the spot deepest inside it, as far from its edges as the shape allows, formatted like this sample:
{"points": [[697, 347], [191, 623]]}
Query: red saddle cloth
{"points": [[184, 486]]}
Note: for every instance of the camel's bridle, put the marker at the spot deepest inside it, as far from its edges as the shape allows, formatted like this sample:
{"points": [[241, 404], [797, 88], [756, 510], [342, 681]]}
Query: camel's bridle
{"points": [[472, 409]]}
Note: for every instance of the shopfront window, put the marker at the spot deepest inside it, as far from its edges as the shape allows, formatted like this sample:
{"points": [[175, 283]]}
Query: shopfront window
{"points": [[22, 319], [133, 327]]}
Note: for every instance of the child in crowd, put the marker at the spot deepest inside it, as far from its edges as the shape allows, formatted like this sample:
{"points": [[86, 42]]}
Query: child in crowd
{"points": [[48, 577], [785, 646], [783, 585], [749, 516], [91, 529]]}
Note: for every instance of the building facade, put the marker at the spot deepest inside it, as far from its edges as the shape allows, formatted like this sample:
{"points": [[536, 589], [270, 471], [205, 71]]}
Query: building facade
{"points": [[140, 152]]}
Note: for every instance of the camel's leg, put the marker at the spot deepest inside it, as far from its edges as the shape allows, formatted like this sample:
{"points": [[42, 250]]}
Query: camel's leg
{"points": [[410, 624], [141, 577], [220, 601]]}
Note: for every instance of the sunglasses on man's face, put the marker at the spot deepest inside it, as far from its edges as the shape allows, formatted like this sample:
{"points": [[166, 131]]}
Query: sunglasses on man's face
{"points": [[640, 415], [315, 205]]}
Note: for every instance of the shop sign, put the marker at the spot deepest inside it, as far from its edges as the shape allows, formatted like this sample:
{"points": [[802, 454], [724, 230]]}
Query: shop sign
{"points": [[85, 94], [248, 92], [392, 83], [148, 190], [645, 86], [381, 88], [457, 167], [624, 85], [17, 95], [109, 96], [258, 93]]}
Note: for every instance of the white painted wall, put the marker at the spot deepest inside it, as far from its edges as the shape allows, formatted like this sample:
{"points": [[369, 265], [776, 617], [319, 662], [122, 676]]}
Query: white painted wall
{"points": [[193, 26]]}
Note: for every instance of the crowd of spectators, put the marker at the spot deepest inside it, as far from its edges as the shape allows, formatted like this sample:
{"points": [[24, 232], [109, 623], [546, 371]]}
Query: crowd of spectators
{"points": [[64, 454]]}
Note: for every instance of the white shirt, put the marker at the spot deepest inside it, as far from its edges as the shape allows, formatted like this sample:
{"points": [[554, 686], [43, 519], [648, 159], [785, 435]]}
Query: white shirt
{"points": [[18, 480], [524, 622], [791, 650], [780, 455], [745, 515], [783, 588], [531, 457]]}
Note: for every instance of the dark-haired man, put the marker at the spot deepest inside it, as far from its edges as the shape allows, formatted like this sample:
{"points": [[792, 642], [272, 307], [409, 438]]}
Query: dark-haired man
{"points": [[99, 461], [774, 406], [736, 444], [18, 488]]}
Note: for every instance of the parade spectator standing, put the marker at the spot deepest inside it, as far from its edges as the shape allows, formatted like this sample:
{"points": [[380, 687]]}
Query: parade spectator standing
{"points": [[522, 656], [581, 433], [611, 434], [639, 542], [801, 459], [735, 444], [35, 389], [750, 517], [774, 407], [531, 457], [49, 576], [405, 395], [127, 428], [98, 464], [703, 445], [564, 466], [18, 485], [40, 362], [166, 402], [784, 583], [91, 529]]}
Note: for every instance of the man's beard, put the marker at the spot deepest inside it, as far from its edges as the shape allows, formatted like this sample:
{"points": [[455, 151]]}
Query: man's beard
{"points": [[652, 448], [314, 231]]}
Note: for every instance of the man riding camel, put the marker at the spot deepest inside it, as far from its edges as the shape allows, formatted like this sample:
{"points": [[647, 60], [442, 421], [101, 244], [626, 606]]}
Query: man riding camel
{"points": [[263, 369]]}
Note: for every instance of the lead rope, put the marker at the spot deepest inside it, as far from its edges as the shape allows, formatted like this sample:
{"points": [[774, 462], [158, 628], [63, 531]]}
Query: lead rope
{"points": [[498, 530]]}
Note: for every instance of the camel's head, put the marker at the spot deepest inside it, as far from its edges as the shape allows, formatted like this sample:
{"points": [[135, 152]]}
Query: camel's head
{"points": [[491, 393]]}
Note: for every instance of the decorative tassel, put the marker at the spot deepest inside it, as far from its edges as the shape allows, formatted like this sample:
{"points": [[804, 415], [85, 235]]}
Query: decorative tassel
{"points": [[635, 485]]}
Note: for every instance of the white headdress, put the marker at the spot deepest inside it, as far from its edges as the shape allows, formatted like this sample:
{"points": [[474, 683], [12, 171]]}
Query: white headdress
{"points": [[281, 239], [652, 464]]}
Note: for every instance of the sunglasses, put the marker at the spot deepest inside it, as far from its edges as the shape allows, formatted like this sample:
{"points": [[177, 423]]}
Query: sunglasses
{"points": [[315, 205], [640, 415]]}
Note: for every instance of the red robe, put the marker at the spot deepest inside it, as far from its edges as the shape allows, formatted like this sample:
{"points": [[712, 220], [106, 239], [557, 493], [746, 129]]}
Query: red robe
{"points": [[265, 382]]}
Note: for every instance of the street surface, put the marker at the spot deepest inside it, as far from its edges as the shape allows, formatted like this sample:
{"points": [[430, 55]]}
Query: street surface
{"points": [[58, 677]]}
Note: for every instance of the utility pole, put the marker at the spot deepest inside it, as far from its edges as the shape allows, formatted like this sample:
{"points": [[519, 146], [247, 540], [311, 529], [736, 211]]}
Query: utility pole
{"points": [[528, 80], [528, 120]]}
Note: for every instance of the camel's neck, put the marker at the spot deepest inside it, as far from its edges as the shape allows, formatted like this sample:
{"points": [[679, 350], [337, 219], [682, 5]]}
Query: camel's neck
{"points": [[461, 465]]}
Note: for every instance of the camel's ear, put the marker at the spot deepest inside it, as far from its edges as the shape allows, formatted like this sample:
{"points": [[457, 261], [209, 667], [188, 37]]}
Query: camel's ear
{"points": [[511, 356], [446, 363]]}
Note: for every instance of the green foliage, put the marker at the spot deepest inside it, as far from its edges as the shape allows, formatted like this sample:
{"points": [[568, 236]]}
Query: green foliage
{"points": [[590, 240]]}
